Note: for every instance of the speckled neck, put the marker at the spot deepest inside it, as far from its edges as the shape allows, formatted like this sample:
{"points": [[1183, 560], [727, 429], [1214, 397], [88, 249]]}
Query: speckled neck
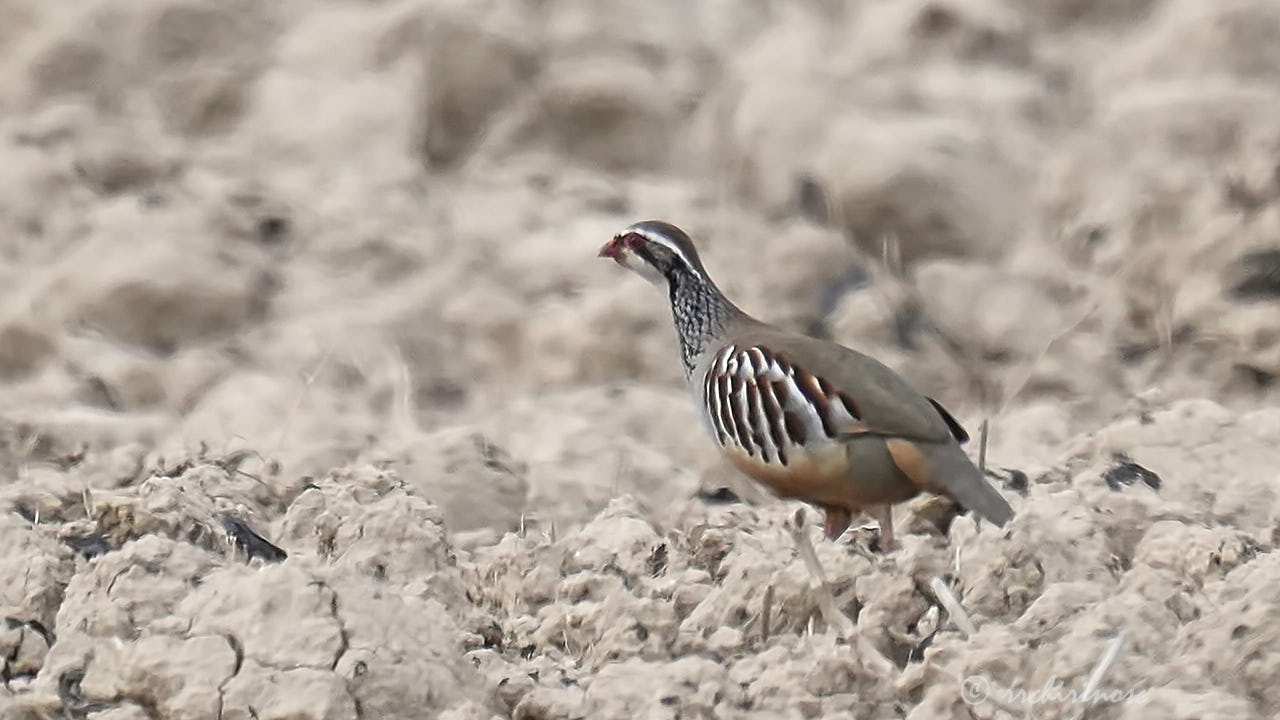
{"points": [[701, 312]]}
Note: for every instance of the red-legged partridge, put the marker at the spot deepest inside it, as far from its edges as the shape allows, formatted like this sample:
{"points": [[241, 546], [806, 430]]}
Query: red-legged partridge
{"points": [[809, 419]]}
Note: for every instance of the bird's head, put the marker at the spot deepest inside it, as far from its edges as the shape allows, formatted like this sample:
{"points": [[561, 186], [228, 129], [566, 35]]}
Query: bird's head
{"points": [[655, 250]]}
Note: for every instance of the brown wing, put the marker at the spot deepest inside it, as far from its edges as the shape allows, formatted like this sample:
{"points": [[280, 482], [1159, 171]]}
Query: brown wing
{"points": [[834, 378], [768, 408], [787, 418], [764, 399], [778, 423]]}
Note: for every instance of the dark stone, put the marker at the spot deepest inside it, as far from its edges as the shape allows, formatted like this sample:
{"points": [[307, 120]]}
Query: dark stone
{"points": [[658, 560], [35, 626], [720, 495], [272, 230], [253, 544], [1125, 472], [811, 199], [89, 546], [1010, 479], [1261, 379], [1259, 276]]}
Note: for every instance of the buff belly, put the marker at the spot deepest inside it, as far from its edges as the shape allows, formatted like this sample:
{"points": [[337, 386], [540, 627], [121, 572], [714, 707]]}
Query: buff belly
{"points": [[853, 474]]}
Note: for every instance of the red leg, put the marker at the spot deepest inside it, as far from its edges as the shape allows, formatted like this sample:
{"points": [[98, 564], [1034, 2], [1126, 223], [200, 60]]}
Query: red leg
{"points": [[884, 515], [837, 522]]}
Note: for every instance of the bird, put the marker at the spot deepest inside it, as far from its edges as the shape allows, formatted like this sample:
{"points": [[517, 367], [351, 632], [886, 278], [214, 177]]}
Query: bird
{"points": [[809, 419]]}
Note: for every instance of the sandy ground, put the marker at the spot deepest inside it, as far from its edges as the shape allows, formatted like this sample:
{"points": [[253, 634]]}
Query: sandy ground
{"points": [[315, 401]]}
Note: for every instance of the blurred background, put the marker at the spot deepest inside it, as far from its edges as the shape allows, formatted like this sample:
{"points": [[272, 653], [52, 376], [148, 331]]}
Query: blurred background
{"points": [[307, 235], [320, 230]]}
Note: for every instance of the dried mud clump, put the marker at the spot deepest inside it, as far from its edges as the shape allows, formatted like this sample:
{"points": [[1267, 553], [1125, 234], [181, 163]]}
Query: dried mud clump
{"points": [[207, 585], [166, 594], [722, 595]]}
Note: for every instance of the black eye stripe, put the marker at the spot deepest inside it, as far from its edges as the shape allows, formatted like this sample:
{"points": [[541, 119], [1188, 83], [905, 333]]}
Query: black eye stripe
{"points": [[653, 252], [642, 249]]}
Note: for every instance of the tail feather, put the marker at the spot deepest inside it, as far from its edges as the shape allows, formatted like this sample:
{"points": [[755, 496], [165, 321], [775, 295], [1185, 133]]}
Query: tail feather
{"points": [[949, 471], [964, 482]]}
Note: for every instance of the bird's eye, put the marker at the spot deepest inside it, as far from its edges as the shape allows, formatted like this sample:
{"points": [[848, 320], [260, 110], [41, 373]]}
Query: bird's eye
{"points": [[631, 241]]}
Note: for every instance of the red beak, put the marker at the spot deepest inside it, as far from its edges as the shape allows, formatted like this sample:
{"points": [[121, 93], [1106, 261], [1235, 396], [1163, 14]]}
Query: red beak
{"points": [[610, 249]]}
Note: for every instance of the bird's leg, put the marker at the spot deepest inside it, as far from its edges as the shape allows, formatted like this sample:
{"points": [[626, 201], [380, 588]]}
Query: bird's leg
{"points": [[837, 521], [884, 515]]}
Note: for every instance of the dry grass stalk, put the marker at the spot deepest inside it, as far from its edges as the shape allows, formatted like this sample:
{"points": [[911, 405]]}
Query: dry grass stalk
{"points": [[831, 613], [835, 619], [1105, 661], [766, 614], [955, 610]]}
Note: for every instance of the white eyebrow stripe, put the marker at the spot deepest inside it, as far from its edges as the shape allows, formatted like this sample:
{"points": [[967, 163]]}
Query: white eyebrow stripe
{"points": [[661, 240]]}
